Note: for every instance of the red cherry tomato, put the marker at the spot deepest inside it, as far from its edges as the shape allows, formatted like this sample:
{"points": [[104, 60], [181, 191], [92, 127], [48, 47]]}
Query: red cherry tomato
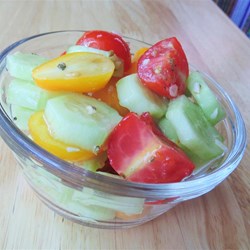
{"points": [[163, 68], [138, 154], [107, 41]]}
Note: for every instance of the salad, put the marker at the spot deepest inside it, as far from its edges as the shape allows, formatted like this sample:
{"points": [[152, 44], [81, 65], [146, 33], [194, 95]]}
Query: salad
{"points": [[143, 117]]}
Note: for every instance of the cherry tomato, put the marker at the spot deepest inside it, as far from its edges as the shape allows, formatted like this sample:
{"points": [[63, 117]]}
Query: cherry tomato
{"points": [[147, 118], [138, 154], [40, 134], [107, 41], [163, 68], [138, 54], [77, 72], [109, 95]]}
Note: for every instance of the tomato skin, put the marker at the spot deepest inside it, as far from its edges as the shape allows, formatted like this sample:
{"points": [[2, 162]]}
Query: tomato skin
{"points": [[137, 153], [163, 68], [148, 119], [82, 72], [107, 41], [160, 202]]}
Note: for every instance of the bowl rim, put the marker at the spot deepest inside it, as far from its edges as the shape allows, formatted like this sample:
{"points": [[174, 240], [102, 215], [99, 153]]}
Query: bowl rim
{"points": [[78, 177]]}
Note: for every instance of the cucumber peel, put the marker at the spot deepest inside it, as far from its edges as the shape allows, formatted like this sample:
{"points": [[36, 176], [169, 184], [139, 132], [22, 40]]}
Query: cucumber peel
{"points": [[193, 129], [168, 130], [205, 98]]}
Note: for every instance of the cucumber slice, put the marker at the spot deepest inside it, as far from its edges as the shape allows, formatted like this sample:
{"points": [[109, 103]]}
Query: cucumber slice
{"points": [[119, 65], [95, 163], [198, 162], [21, 116], [81, 48], [90, 212], [137, 98], [205, 98], [90, 203], [80, 120], [27, 95], [20, 65], [68, 198], [168, 130], [193, 129], [128, 205]]}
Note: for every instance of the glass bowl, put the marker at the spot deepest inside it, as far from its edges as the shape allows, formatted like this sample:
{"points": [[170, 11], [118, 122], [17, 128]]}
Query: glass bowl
{"points": [[102, 201]]}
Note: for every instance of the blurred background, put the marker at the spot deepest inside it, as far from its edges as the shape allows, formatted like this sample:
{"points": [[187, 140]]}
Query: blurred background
{"points": [[238, 11]]}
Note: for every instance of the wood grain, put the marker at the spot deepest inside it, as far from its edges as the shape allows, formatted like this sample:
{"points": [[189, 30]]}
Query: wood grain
{"points": [[217, 220]]}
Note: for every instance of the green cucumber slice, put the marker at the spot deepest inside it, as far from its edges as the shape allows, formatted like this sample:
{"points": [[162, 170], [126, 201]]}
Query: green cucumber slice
{"points": [[119, 65], [21, 116], [27, 95], [80, 120], [137, 98], [81, 48], [168, 130], [89, 203], [193, 129], [128, 205], [94, 163], [20, 65], [90, 212], [205, 98], [198, 162], [73, 200]]}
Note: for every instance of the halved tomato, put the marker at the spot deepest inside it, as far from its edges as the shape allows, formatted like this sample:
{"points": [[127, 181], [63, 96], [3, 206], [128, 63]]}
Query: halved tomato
{"points": [[163, 68], [139, 154], [77, 72]]}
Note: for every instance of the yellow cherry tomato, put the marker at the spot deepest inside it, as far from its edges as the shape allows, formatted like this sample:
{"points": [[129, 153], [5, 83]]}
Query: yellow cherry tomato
{"points": [[78, 72], [40, 134], [109, 95], [138, 54], [136, 57]]}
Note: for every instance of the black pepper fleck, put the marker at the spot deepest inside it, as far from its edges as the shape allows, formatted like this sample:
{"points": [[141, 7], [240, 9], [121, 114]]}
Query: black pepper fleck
{"points": [[61, 66]]}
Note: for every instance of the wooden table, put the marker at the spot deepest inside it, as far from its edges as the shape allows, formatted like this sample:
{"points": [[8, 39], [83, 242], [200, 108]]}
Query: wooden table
{"points": [[219, 219]]}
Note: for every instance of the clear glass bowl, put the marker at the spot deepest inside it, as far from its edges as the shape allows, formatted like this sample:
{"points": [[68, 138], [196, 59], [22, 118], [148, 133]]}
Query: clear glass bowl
{"points": [[98, 200]]}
